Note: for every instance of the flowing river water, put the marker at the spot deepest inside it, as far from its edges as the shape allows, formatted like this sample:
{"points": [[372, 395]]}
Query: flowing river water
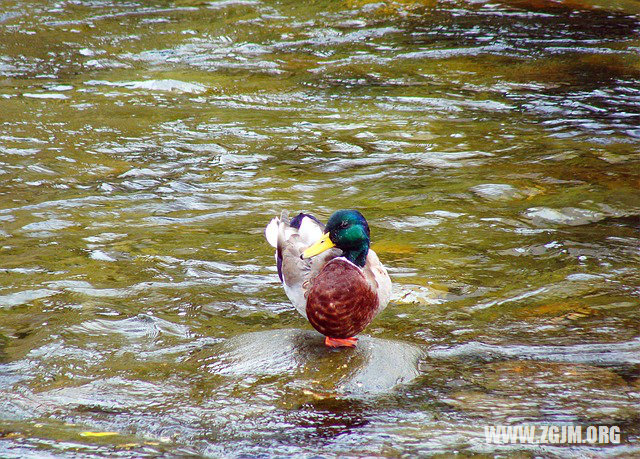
{"points": [[494, 147]]}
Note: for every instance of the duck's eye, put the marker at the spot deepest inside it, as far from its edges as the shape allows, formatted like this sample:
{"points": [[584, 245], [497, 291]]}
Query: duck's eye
{"points": [[344, 224]]}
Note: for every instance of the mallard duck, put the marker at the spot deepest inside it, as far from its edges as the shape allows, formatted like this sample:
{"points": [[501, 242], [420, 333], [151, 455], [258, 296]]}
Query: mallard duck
{"points": [[329, 273]]}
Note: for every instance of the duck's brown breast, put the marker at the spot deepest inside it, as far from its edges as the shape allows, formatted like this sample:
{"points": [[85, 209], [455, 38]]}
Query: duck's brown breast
{"points": [[340, 302]]}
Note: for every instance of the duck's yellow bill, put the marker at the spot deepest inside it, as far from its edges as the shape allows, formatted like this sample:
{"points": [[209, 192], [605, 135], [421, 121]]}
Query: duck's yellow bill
{"points": [[323, 244]]}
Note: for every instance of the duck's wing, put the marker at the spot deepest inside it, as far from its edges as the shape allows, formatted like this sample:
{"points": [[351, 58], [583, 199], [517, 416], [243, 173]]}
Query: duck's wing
{"points": [[378, 278], [291, 238]]}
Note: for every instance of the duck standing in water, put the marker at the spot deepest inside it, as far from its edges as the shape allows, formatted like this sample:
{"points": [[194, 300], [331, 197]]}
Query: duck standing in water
{"points": [[329, 273]]}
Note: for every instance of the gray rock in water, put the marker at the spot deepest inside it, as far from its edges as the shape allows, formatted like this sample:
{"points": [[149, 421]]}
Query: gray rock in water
{"points": [[375, 366]]}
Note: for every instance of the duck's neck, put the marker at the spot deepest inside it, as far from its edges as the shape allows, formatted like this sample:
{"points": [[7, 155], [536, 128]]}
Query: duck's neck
{"points": [[357, 256]]}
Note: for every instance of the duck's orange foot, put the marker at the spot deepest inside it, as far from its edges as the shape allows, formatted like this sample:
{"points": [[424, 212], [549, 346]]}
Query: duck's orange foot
{"points": [[340, 342]]}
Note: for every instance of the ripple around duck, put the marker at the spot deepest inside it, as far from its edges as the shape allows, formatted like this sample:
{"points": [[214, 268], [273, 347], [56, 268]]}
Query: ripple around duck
{"points": [[250, 355]]}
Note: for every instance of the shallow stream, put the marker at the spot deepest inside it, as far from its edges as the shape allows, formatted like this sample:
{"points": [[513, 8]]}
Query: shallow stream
{"points": [[494, 147]]}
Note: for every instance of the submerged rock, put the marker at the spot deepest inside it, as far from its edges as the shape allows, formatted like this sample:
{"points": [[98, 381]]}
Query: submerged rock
{"points": [[496, 191], [417, 294], [519, 391], [300, 358]]}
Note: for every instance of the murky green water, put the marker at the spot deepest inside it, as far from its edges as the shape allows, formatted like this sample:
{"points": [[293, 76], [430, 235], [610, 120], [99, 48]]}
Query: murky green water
{"points": [[493, 146]]}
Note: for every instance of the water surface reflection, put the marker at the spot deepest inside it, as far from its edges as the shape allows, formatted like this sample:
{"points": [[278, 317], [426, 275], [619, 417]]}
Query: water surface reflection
{"points": [[493, 147]]}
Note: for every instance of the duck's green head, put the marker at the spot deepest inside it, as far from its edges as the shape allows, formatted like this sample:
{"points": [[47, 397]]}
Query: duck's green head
{"points": [[347, 230]]}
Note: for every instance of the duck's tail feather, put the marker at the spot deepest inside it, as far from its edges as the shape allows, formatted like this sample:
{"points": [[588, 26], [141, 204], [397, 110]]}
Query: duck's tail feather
{"points": [[281, 237], [272, 231], [307, 228]]}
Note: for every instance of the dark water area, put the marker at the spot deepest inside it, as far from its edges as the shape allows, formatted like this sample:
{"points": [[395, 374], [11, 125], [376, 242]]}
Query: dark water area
{"points": [[494, 148]]}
